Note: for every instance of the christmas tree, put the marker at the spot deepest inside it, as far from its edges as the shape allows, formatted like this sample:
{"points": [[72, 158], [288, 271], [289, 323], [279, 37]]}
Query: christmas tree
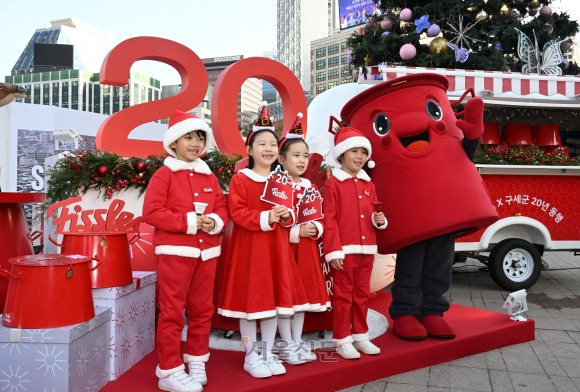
{"points": [[494, 35]]}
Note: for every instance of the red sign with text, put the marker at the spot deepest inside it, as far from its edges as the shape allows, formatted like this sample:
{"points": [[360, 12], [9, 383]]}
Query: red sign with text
{"points": [[279, 188], [309, 207]]}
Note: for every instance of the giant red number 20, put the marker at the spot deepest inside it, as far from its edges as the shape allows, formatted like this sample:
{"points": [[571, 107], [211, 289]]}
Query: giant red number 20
{"points": [[113, 134], [225, 98]]}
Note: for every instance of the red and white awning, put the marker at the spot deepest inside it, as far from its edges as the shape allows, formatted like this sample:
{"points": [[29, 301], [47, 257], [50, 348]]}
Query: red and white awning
{"points": [[500, 88]]}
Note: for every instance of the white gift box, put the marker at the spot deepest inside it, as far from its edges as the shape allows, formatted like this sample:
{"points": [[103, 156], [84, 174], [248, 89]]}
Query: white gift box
{"points": [[132, 328], [71, 358]]}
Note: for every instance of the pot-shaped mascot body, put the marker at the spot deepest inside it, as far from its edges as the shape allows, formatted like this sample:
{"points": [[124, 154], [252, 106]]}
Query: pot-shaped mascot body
{"points": [[430, 188]]}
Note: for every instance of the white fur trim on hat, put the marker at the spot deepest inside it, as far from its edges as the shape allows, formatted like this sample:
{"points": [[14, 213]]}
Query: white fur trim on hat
{"points": [[181, 128], [352, 142]]}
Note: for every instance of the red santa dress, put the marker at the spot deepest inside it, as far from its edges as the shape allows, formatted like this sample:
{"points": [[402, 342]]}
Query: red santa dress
{"points": [[261, 277], [307, 255]]}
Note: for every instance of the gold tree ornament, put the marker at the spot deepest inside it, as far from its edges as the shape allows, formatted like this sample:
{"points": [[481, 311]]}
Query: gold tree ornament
{"points": [[533, 4], [407, 27], [367, 60], [481, 15], [438, 45], [505, 10]]}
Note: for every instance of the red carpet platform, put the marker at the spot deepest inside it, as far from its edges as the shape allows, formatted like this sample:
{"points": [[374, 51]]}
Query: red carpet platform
{"points": [[477, 331]]}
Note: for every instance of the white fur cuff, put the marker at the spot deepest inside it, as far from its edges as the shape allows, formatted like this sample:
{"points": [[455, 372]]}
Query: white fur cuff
{"points": [[219, 223], [191, 222]]}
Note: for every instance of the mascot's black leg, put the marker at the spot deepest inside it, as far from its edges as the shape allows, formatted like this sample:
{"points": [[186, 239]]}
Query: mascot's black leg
{"points": [[436, 278]]}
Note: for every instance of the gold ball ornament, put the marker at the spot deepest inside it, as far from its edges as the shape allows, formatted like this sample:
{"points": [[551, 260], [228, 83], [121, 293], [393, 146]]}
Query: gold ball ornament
{"points": [[407, 27], [438, 45], [505, 10], [481, 15], [533, 3]]}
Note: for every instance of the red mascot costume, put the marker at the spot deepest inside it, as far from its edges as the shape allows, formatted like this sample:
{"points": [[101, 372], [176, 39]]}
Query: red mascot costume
{"points": [[430, 188]]}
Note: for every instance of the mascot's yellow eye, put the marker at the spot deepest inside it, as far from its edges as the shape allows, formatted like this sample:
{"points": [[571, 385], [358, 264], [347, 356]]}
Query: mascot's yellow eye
{"points": [[434, 110], [382, 124]]}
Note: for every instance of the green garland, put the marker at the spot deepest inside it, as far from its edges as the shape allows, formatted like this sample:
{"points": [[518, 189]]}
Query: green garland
{"points": [[109, 173], [522, 155]]}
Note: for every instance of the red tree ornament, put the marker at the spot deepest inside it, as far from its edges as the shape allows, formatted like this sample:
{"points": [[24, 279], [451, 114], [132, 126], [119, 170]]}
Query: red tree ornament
{"points": [[102, 171], [140, 166]]}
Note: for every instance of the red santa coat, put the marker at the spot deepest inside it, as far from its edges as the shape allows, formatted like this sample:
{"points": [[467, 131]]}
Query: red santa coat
{"points": [[261, 278], [348, 212], [169, 208], [307, 255]]}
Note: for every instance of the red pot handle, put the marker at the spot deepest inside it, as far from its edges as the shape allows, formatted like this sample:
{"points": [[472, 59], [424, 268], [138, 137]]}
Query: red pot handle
{"points": [[54, 241], [99, 262], [135, 238], [7, 273], [34, 235]]}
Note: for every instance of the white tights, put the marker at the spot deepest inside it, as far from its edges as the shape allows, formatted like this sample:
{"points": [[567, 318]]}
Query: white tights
{"points": [[248, 330], [290, 328]]}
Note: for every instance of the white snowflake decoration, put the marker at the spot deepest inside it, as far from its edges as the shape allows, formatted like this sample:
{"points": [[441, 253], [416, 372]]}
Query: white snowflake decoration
{"points": [[461, 33]]}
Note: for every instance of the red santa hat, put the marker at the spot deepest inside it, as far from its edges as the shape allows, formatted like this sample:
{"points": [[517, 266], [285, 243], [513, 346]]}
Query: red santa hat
{"points": [[347, 138], [181, 123], [295, 132], [263, 121]]}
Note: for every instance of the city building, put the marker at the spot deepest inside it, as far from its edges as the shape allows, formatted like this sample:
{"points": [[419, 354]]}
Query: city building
{"points": [[329, 62], [269, 93], [299, 23], [249, 99], [60, 66]]}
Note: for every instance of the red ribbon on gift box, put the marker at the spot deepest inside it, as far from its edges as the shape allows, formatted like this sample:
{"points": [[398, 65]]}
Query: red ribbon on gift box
{"points": [[137, 283]]}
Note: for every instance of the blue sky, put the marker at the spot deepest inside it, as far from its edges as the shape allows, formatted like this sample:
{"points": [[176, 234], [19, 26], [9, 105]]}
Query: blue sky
{"points": [[210, 28]]}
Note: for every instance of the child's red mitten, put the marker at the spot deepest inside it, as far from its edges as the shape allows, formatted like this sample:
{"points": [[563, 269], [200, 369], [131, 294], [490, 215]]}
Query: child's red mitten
{"points": [[472, 125]]}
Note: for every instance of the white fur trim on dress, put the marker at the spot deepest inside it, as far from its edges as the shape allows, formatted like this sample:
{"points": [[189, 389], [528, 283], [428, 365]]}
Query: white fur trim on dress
{"points": [[195, 358], [252, 175], [360, 337], [264, 218], [181, 128], [340, 342], [264, 314], [191, 222], [219, 223], [305, 183], [337, 254], [360, 249], [160, 373], [199, 165], [320, 229], [290, 221], [319, 307], [295, 234], [211, 253], [174, 250]]}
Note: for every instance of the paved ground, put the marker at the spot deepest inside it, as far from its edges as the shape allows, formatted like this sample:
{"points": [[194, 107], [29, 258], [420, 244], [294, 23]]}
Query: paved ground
{"points": [[549, 363]]}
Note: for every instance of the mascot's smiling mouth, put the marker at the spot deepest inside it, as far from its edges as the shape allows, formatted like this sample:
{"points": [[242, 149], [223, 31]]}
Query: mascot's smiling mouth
{"points": [[417, 142]]}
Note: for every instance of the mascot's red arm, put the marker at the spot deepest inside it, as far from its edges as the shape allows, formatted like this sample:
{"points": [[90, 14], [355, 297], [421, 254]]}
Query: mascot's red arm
{"points": [[472, 125]]}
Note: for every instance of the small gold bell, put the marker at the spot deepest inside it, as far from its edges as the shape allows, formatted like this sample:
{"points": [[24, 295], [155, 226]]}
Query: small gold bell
{"points": [[69, 272], [103, 242]]}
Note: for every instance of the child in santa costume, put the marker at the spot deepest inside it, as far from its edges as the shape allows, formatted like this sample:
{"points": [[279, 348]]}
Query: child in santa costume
{"points": [[349, 241], [294, 159], [186, 206], [261, 278]]}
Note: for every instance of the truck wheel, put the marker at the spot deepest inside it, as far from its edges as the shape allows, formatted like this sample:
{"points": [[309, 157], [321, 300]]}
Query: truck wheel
{"points": [[515, 264]]}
